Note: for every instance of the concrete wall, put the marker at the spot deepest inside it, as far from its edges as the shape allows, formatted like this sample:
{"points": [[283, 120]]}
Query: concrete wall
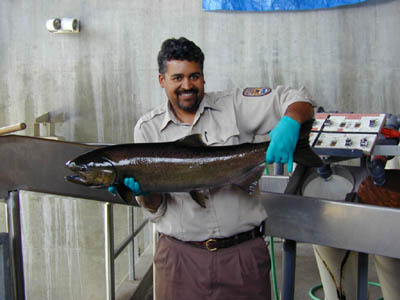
{"points": [[105, 77], [62, 257]]}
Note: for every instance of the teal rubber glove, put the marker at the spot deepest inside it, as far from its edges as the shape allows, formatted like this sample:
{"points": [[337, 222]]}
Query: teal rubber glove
{"points": [[112, 189], [283, 142], [132, 185]]}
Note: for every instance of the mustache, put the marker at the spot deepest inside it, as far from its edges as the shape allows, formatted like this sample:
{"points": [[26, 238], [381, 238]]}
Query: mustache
{"points": [[192, 90]]}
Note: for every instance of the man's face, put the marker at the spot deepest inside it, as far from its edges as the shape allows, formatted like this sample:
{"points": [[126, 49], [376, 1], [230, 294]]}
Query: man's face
{"points": [[184, 85]]}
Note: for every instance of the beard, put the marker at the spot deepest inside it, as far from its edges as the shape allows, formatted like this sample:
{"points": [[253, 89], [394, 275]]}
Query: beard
{"points": [[194, 103]]}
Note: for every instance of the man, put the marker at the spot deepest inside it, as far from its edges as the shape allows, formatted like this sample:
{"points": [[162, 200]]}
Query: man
{"points": [[216, 252]]}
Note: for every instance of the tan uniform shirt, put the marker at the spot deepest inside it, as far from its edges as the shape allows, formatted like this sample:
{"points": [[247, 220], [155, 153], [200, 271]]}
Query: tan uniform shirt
{"points": [[223, 118]]}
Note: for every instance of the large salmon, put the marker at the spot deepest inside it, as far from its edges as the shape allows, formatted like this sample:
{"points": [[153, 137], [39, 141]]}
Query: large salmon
{"points": [[186, 165]]}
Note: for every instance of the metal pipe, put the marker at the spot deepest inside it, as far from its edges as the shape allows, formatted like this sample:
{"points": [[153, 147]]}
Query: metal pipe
{"points": [[16, 260], [289, 246], [109, 250], [155, 243], [362, 286], [12, 128], [278, 169], [288, 269], [129, 239], [131, 249]]}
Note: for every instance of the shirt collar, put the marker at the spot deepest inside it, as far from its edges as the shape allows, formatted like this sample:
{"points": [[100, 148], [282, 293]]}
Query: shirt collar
{"points": [[170, 116], [207, 103]]}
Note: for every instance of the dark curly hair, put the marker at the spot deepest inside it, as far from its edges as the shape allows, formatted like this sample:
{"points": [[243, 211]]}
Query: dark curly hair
{"points": [[179, 49]]}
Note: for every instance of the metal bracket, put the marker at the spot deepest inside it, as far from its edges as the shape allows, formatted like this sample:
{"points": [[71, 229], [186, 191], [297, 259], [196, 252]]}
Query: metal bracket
{"points": [[48, 121]]}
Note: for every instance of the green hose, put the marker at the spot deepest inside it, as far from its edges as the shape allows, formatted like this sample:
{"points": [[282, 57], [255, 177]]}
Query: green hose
{"points": [[273, 268], [311, 291], [319, 286]]}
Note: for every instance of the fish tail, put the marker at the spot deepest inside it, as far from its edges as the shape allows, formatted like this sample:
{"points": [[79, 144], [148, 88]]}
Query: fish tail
{"points": [[303, 153]]}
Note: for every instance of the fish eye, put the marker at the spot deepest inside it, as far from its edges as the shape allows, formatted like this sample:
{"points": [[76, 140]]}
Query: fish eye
{"points": [[83, 168]]}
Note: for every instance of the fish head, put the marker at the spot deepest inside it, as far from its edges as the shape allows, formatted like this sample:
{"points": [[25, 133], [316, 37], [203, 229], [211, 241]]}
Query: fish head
{"points": [[91, 171]]}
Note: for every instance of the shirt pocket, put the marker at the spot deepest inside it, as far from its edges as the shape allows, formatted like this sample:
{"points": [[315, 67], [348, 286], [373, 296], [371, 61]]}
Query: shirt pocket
{"points": [[221, 134]]}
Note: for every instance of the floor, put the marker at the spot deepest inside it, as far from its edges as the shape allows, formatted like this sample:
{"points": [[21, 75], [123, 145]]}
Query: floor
{"points": [[307, 275]]}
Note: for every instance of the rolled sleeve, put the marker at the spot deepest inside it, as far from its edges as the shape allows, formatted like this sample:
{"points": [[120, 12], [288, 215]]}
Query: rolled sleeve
{"points": [[155, 217], [289, 96]]}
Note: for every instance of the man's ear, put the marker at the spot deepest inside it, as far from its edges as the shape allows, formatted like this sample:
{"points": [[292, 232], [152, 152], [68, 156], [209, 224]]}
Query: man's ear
{"points": [[161, 79]]}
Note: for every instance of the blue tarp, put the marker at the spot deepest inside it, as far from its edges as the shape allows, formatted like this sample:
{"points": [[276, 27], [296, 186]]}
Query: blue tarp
{"points": [[265, 5]]}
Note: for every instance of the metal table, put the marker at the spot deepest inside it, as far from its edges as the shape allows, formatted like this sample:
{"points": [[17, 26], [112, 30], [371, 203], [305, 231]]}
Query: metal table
{"points": [[337, 224]]}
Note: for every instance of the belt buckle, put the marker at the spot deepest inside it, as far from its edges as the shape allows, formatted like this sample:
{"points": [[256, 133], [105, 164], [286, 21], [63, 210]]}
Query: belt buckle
{"points": [[209, 248]]}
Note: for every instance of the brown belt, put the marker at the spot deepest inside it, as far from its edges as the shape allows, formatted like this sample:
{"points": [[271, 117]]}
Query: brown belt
{"points": [[215, 244]]}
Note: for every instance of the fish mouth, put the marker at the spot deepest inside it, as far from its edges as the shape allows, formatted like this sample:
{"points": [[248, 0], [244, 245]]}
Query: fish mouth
{"points": [[95, 175], [80, 176], [75, 179], [82, 181]]}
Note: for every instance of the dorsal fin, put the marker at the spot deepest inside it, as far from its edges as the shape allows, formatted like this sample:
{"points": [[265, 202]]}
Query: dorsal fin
{"points": [[193, 140], [304, 155], [126, 194]]}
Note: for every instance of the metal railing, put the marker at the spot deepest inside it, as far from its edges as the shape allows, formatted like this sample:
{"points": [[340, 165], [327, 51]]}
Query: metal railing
{"points": [[112, 253], [14, 231]]}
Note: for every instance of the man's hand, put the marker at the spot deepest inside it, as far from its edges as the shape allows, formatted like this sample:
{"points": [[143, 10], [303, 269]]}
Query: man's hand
{"points": [[283, 142], [112, 189], [132, 185]]}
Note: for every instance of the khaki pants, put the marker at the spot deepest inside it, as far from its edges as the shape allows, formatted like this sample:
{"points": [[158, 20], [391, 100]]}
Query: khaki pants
{"points": [[186, 272]]}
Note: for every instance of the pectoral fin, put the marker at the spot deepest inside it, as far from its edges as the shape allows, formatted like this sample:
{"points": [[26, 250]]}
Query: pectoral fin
{"points": [[249, 181], [303, 154], [199, 198], [126, 194]]}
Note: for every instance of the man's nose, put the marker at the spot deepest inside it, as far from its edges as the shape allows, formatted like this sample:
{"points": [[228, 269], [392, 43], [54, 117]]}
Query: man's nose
{"points": [[187, 84]]}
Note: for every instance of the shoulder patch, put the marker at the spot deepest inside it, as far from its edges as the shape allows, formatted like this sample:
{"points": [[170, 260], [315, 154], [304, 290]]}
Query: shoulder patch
{"points": [[256, 92]]}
